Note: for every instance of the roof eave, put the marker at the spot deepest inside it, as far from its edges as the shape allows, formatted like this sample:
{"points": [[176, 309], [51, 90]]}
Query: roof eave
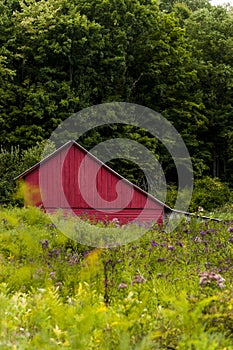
{"points": [[35, 166]]}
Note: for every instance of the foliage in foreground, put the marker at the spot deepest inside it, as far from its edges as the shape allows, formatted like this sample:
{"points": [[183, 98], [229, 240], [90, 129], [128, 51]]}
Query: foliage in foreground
{"points": [[164, 291]]}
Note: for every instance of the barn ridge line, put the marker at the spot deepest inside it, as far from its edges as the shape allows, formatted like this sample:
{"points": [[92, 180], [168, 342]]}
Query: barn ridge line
{"points": [[73, 142]]}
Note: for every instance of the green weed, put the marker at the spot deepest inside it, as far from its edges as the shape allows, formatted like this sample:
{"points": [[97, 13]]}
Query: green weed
{"points": [[161, 291]]}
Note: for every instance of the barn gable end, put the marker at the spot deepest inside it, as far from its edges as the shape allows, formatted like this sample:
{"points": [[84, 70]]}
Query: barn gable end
{"points": [[66, 180]]}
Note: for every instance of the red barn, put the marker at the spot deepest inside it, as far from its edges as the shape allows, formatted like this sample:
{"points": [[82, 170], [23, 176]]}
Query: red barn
{"points": [[74, 180]]}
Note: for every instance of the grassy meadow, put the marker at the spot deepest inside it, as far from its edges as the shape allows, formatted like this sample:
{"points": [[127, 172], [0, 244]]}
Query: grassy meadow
{"points": [[162, 291]]}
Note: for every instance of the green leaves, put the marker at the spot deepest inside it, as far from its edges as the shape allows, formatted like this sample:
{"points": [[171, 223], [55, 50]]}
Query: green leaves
{"points": [[52, 288], [14, 161], [210, 31], [58, 57]]}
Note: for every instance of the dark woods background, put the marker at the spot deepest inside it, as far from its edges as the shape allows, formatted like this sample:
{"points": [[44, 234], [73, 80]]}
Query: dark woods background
{"points": [[58, 57]]}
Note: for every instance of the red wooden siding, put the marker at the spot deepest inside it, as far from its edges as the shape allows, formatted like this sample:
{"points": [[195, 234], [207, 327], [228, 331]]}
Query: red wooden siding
{"points": [[87, 187]]}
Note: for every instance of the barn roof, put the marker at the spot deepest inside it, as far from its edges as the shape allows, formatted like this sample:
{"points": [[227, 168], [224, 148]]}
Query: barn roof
{"points": [[74, 143]]}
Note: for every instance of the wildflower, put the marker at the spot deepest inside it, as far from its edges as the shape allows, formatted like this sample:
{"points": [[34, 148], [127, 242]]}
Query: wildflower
{"points": [[160, 259], [154, 244], [52, 274], [122, 285], [52, 226], [138, 279], [85, 254], [116, 222], [203, 233], [58, 284], [170, 247], [44, 244], [73, 259], [230, 229], [54, 252], [208, 277], [197, 239]]}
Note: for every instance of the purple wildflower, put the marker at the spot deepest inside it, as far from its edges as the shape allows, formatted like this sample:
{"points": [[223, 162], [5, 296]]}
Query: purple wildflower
{"points": [[73, 259], [85, 254], [170, 247], [161, 259], [154, 244], [115, 220], [52, 274], [52, 226], [54, 252], [230, 229], [122, 285], [138, 279], [197, 239], [203, 233], [44, 244], [208, 277], [58, 284]]}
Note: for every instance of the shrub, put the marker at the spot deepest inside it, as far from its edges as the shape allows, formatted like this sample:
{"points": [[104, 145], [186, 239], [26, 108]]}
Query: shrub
{"points": [[210, 193], [12, 163]]}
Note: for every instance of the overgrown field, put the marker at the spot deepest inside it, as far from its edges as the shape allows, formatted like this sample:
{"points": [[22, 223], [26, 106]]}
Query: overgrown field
{"points": [[164, 291]]}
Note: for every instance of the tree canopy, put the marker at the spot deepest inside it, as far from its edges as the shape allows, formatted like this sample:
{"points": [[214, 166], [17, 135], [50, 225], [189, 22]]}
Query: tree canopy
{"points": [[58, 57]]}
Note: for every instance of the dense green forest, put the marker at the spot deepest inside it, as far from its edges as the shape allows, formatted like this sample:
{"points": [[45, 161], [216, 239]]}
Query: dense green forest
{"points": [[175, 57], [164, 290]]}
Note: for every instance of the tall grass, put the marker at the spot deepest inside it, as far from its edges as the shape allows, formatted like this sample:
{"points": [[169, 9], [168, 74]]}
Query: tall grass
{"points": [[164, 291]]}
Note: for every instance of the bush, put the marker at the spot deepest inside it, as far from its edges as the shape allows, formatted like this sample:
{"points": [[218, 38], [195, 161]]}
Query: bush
{"points": [[210, 193], [12, 163]]}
